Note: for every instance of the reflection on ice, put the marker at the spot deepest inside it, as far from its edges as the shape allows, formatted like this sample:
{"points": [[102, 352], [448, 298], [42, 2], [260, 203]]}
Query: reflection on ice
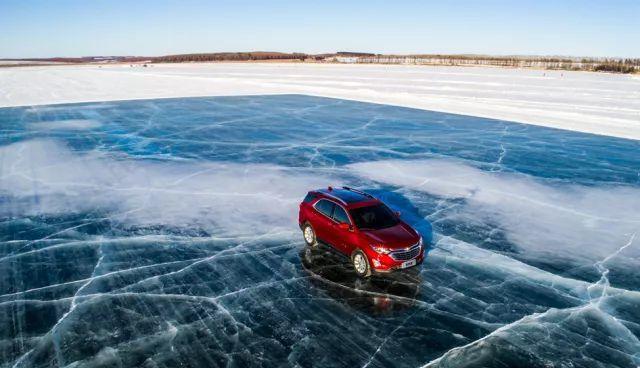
{"points": [[378, 294], [163, 233]]}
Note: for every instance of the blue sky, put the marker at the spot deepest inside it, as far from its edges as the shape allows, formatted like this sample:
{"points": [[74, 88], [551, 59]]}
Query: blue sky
{"points": [[100, 27]]}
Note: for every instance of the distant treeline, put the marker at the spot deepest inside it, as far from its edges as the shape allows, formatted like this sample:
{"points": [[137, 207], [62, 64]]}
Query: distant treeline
{"points": [[543, 62], [555, 63], [618, 66], [351, 53], [229, 56], [86, 59]]}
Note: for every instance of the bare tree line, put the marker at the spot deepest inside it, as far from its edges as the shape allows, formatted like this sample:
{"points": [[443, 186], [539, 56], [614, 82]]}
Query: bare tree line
{"points": [[229, 56], [616, 65], [628, 65]]}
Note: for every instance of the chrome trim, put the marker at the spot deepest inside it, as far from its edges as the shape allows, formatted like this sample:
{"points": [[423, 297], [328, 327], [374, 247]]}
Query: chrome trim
{"points": [[407, 252], [335, 204]]}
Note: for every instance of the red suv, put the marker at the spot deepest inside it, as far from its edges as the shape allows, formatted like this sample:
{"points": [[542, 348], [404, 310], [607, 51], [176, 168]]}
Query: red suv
{"points": [[361, 227]]}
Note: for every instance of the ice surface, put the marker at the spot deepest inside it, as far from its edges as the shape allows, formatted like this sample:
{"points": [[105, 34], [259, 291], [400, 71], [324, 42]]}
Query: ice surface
{"points": [[163, 233], [538, 217]]}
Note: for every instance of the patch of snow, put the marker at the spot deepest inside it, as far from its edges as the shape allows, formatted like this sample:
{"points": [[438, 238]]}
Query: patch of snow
{"points": [[605, 104], [71, 124]]}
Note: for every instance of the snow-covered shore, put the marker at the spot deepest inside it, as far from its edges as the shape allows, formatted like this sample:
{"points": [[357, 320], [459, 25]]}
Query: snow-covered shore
{"points": [[603, 104]]}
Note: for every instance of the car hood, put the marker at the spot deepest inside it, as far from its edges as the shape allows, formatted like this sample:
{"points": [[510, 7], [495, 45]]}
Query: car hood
{"points": [[398, 236]]}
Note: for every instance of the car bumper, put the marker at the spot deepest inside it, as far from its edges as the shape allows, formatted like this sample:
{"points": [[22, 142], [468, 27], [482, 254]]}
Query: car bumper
{"points": [[383, 263]]}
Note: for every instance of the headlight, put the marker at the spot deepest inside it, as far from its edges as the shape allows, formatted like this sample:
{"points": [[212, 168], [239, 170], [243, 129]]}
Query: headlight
{"points": [[380, 249], [420, 242]]}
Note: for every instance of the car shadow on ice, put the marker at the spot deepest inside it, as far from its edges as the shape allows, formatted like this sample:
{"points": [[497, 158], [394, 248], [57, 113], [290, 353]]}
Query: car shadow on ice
{"points": [[378, 294], [408, 212]]}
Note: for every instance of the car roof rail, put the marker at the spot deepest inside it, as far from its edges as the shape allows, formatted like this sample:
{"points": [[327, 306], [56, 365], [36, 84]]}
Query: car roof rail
{"points": [[358, 191], [328, 194]]}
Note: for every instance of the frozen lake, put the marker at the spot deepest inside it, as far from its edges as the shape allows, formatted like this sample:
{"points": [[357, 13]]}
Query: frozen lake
{"points": [[164, 233]]}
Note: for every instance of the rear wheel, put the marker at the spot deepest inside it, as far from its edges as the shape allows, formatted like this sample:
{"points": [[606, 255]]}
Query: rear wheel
{"points": [[309, 235], [361, 263]]}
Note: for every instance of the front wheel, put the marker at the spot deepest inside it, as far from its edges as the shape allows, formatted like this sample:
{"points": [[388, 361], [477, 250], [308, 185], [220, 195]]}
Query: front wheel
{"points": [[309, 235], [361, 263]]}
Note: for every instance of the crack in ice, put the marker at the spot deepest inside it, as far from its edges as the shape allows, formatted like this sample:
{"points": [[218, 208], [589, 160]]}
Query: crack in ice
{"points": [[603, 283]]}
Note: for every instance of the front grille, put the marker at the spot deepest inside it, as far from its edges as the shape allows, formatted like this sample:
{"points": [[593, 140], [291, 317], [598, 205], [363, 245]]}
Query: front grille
{"points": [[405, 255]]}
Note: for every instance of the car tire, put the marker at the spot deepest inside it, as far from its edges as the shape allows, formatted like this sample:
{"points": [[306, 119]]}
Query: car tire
{"points": [[309, 236], [360, 263]]}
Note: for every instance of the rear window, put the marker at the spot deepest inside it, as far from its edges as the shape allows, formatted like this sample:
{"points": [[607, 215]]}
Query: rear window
{"points": [[308, 198], [325, 207]]}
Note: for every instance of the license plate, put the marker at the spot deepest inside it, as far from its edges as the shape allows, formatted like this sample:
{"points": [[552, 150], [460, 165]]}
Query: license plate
{"points": [[408, 263]]}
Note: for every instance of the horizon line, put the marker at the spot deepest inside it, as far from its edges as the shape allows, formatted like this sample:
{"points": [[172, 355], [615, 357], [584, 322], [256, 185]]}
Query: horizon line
{"points": [[362, 53]]}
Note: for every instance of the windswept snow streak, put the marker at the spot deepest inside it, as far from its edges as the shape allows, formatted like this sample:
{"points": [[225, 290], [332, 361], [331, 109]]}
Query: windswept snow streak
{"points": [[164, 233]]}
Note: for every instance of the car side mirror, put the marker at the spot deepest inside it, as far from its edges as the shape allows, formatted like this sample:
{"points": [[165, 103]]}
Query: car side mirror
{"points": [[398, 213], [344, 226]]}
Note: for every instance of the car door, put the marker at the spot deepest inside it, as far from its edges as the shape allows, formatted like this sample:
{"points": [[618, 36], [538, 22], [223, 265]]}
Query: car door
{"points": [[323, 223], [341, 237]]}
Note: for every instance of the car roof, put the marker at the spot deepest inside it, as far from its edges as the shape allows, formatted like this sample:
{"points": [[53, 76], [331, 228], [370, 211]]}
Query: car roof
{"points": [[348, 197]]}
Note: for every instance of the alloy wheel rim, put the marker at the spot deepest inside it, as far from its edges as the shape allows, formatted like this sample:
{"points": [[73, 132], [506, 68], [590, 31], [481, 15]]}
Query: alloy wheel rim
{"points": [[308, 234], [358, 262]]}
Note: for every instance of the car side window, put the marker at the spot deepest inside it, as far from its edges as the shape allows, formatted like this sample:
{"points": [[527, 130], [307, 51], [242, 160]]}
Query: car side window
{"points": [[340, 215], [325, 207]]}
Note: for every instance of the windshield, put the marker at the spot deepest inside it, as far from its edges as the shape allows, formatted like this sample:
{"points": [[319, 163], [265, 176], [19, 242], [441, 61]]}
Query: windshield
{"points": [[374, 217]]}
